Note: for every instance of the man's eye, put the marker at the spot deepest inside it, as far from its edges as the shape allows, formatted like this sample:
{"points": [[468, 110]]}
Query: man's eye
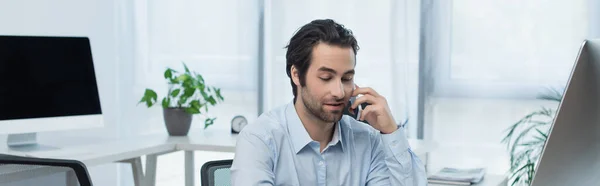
{"points": [[347, 79], [326, 79]]}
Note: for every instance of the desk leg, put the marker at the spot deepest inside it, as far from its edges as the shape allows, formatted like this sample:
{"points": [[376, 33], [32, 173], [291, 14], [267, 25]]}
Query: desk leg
{"points": [[189, 168], [150, 176], [138, 172], [426, 161]]}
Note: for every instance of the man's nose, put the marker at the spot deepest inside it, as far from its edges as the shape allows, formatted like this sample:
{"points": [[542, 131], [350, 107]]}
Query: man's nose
{"points": [[338, 90]]}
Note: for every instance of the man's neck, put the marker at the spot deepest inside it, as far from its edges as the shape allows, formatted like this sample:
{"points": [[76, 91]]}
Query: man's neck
{"points": [[317, 129]]}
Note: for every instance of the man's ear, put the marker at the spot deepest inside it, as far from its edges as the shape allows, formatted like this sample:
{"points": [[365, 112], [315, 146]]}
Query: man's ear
{"points": [[295, 75]]}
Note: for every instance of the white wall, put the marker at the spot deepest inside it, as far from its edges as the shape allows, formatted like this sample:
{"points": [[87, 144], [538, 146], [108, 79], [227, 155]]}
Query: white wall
{"points": [[469, 130], [95, 19]]}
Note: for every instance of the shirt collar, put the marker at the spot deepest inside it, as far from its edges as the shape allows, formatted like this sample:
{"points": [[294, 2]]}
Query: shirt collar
{"points": [[298, 133], [337, 135]]}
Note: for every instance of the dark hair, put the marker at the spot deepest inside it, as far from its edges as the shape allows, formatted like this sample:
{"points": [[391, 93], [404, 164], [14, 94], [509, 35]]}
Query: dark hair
{"points": [[299, 50]]}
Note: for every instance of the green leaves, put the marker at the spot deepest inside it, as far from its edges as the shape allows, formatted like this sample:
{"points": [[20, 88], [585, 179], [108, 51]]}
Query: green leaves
{"points": [[196, 104], [169, 73], [526, 139], [209, 122], [183, 77], [182, 101], [524, 174], [149, 97], [166, 102], [192, 110], [194, 107], [200, 79], [218, 93], [187, 90], [552, 94], [169, 76], [212, 100], [187, 70], [204, 94], [175, 92]]}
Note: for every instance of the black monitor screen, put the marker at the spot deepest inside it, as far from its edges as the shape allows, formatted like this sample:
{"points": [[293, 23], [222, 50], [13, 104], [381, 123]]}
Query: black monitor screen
{"points": [[46, 77]]}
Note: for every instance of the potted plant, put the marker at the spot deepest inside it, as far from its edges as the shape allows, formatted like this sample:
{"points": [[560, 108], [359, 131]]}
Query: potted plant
{"points": [[187, 95], [526, 138]]}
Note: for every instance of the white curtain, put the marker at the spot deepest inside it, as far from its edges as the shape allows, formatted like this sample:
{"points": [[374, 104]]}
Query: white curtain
{"points": [[217, 39], [387, 33], [486, 61], [503, 49]]}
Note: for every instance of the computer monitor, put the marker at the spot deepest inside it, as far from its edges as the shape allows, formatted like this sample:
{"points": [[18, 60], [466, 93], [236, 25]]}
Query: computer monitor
{"points": [[571, 155], [46, 84]]}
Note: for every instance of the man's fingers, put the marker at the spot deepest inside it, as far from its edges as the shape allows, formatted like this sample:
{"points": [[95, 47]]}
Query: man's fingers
{"points": [[369, 99], [364, 113], [365, 91]]}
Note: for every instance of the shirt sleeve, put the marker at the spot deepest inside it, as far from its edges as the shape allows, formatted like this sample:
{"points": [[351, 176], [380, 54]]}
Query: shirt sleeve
{"points": [[405, 168], [253, 162]]}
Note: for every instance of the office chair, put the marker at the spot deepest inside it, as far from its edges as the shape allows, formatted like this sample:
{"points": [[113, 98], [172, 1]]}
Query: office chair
{"points": [[16, 168], [216, 173]]}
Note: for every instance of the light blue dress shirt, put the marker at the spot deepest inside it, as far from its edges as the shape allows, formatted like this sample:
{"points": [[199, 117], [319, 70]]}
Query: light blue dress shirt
{"points": [[277, 150]]}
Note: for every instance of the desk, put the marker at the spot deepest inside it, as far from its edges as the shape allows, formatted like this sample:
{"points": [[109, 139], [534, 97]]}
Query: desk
{"points": [[488, 180], [131, 150], [113, 151]]}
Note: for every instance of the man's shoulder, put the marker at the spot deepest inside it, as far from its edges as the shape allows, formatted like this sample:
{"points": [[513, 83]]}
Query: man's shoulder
{"points": [[268, 125]]}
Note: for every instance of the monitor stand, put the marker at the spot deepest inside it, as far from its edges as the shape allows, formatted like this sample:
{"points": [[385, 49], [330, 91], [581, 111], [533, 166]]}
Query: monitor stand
{"points": [[26, 142]]}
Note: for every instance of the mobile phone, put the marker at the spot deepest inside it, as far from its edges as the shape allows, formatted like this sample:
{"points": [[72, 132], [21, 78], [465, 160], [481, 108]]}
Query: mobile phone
{"points": [[354, 113]]}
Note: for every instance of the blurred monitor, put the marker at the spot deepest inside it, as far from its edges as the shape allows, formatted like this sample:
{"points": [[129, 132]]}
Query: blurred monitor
{"points": [[571, 155], [46, 84]]}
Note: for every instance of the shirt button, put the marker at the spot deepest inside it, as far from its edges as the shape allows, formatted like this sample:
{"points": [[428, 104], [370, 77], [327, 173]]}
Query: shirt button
{"points": [[321, 163]]}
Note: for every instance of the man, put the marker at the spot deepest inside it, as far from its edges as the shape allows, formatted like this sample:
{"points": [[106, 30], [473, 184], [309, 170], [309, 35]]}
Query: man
{"points": [[309, 141]]}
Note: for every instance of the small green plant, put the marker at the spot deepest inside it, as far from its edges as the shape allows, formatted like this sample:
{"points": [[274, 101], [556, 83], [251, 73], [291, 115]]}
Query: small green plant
{"points": [[188, 91], [526, 139]]}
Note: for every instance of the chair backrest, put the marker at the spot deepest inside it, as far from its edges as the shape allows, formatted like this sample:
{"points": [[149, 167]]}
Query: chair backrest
{"points": [[216, 173], [16, 169]]}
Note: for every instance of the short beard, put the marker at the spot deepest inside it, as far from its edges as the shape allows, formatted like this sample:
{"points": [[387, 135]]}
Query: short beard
{"points": [[315, 108]]}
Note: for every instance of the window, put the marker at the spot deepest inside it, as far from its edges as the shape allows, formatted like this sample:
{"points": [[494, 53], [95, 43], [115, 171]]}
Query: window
{"points": [[503, 48], [486, 61], [217, 39]]}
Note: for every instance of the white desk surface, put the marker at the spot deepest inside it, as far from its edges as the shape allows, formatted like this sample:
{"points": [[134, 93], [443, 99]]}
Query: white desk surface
{"points": [[488, 180], [103, 151], [135, 146]]}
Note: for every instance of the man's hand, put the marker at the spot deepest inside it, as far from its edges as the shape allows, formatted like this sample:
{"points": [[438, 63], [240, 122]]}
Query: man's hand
{"points": [[378, 113]]}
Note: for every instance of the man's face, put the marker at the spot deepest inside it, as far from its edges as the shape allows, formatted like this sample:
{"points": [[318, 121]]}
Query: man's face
{"points": [[329, 82]]}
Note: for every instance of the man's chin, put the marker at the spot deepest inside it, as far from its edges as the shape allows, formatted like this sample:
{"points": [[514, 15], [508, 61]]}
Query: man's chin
{"points": [[334, 117]]}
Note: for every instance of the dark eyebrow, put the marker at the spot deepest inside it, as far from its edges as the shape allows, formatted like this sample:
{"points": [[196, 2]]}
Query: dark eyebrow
{"points": [[334, 72]]}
